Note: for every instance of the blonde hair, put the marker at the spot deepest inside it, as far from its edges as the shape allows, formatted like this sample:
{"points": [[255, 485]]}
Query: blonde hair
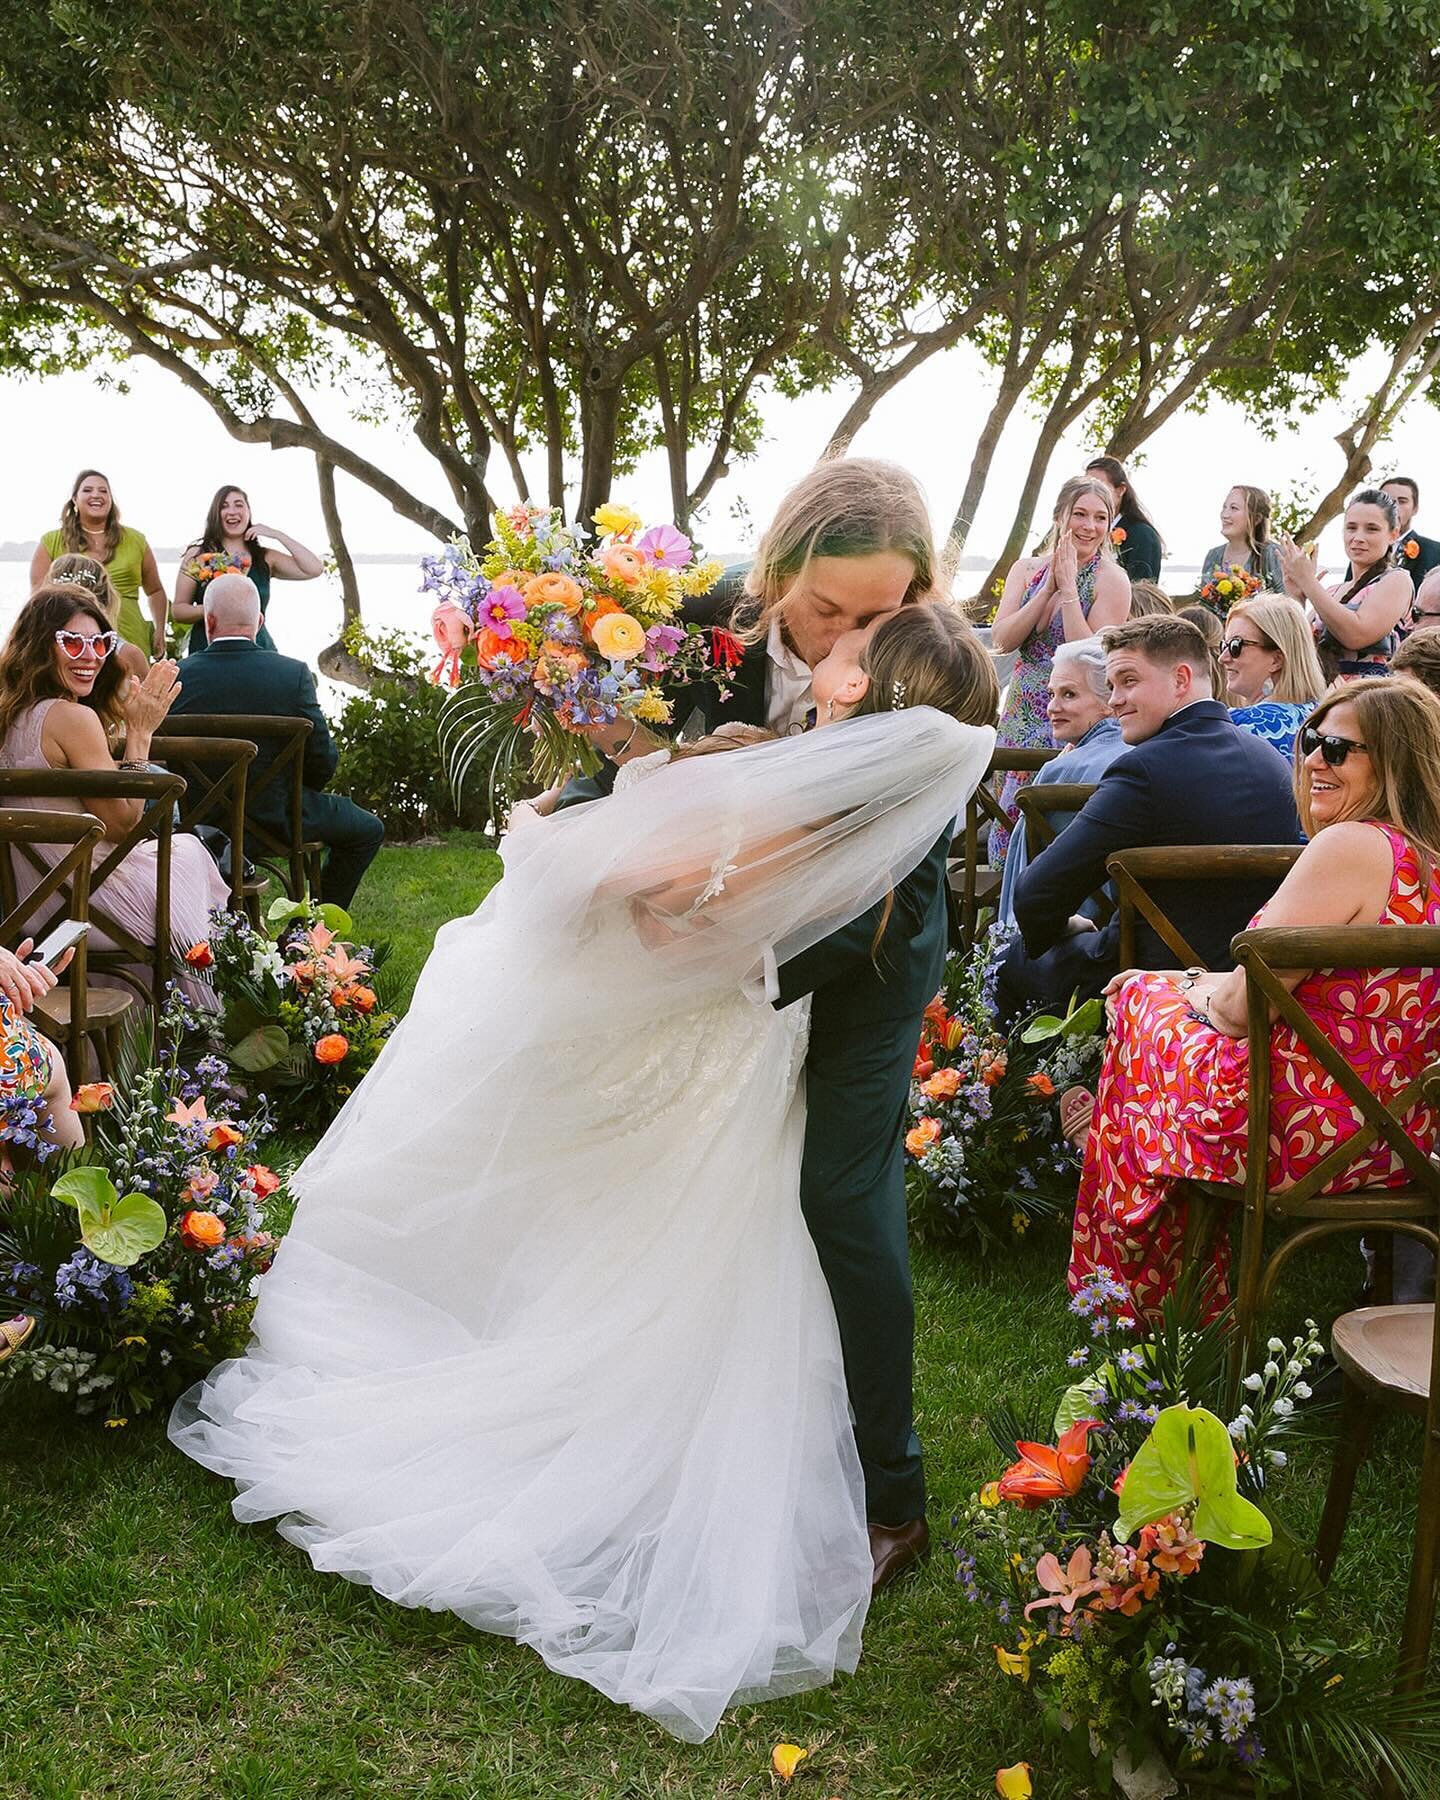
{"points": [[1213, 633], [86, 572], [848, 506], [1284, 629], [1257, 523], [733, 736], [1400, 727], [1070, 492], [929, 655], [1148, 598]]}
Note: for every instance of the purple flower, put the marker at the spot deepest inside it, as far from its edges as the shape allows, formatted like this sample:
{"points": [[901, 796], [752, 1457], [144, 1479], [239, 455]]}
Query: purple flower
{"points": [[666, 546], [498, 608], [661, 643]]}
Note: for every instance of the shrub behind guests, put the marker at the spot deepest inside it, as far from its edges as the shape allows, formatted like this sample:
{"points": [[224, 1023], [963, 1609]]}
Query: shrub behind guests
{"points": [[389, 753]]}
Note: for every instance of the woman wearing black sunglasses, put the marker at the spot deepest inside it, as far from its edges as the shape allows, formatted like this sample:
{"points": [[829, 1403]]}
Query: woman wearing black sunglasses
{"points": [[62, 694], [1272, 672], [1173, 1096]]}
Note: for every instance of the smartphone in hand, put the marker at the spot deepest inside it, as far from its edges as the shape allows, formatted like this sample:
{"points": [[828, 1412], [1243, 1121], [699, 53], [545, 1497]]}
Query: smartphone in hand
{"points": [[65, 936]]}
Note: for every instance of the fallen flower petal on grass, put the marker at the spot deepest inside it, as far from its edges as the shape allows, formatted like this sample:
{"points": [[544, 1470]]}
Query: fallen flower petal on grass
{"points": [[1014, 1783], [785, 1759]]}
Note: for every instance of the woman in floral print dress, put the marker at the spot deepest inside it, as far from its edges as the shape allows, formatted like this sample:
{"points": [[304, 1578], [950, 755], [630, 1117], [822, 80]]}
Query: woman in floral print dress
{"points": [[1174, 1091], [1074, 590]]}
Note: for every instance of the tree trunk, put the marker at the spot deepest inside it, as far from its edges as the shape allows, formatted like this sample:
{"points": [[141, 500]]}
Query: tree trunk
{"points": [[1011, 390], [599, 424], [337, 660]]}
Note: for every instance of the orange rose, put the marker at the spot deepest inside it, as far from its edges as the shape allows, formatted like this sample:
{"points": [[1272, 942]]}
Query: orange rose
{"points": [[223, 1135], [1118, 535], [1041, 1083], [944, 1084], [264, 1181], [202, 1230], [1412, 549], [516, 578], [622, 565], [332, 1049], [363, 999], [554, 589], [994, 1070], [200, 956], [919, 1140], [93, 1097]]}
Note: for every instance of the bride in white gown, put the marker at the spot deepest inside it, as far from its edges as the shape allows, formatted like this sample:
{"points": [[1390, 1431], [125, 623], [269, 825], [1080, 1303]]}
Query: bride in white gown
{"points": [[548, 1345]]}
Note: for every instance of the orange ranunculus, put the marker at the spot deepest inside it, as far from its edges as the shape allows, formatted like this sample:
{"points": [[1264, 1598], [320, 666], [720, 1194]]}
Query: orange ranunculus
{"points": [[264, 1181], [222, 1135], [1048, 1472], [332, 1049], [555, 589], [1118, 535], [919, 1140], [202, 1230], [519, 579], [618, 636], [92, 1097], [621, 564], [1041, 1084], [598, 609], [490, 646], [200, 956], [944, 1084], [363, 999]]}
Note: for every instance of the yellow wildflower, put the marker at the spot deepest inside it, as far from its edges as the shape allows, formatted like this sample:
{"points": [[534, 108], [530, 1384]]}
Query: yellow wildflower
{"points": [[1012, 1663], [615, 520], [652, 708], [115, 1424], [1019, 1224]]}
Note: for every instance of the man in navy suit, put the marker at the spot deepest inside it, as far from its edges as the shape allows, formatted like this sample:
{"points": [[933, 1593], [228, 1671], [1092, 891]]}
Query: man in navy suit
{"points": [[1191, 777]]}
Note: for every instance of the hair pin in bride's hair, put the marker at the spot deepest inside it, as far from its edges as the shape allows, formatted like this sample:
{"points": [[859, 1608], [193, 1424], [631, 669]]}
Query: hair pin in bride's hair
{"points": [[897, 695]]}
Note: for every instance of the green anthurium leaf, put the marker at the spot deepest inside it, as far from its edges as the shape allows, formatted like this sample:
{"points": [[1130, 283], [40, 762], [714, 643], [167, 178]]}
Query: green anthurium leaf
{"points": [[260, 1049], [123, 1233], [1078, 1402], [1188, 1457], [1041, 1027], [283, 912], [338, 920], [89, 1190], [1085, 1020]]}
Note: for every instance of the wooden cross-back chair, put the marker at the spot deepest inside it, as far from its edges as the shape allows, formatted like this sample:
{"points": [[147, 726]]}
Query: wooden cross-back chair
{"points": [[1039, 803], [284, 851], [215, 771], [978, 883], [74, 1011], [1135, 873], [158, 794]]}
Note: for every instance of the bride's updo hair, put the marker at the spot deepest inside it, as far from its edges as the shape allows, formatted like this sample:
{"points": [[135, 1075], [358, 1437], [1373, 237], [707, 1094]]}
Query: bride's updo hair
{"points": [[930, 656]]}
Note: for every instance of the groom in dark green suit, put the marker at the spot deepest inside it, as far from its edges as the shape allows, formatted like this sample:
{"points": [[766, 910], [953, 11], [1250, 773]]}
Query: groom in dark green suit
{"points": [[234, 675]]}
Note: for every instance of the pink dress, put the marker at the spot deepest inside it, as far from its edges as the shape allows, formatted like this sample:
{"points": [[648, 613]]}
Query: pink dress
{"points": [[1173, 1101], [128, 894]]}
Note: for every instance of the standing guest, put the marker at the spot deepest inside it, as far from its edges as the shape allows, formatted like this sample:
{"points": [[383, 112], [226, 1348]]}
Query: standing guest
{"points": [[94, 577], [236, 676], [1213, 633], [1272, 672], [1190, 778], [60, 689], [1174, 1092], [1357, 617], [1073, 590], [230, 531], [1415, 554], [1138, 544], [90, 526], [1089, 735], [1148, 598], [1246, 542]]}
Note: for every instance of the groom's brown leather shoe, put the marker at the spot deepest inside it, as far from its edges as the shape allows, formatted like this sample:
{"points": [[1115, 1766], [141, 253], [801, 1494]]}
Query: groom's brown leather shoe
{"points": [[896, 1548]]}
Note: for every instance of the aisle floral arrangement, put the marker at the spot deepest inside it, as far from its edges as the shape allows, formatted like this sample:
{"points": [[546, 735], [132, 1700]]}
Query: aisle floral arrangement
{"points": [[301, 1015], [1133, 1575], [985, 1159], [139, 1256], [543, 632], [1228, 587]]}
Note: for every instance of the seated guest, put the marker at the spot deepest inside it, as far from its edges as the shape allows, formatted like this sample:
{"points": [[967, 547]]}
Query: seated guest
{"points": [[1213, 633], [1080, 720], [1190, 778], [1174, 1092], [1419, 659], [61, 691], [236, 676], [94, 577], [1148, 598], [1272, 671]]}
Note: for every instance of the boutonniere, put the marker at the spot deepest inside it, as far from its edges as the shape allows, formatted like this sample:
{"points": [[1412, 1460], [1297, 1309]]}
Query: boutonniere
{"points": [[1410, 548], [1117, 536]]}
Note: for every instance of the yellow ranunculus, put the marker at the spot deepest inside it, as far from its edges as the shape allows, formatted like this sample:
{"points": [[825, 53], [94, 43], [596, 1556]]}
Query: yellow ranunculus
{"points": [[1011, 1664], [618, 637], [1014, 1783], [785, 1759], [613, 520]]}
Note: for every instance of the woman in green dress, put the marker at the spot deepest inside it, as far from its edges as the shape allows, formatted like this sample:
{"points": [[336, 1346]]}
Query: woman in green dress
{"points": [[90, 526], [232, 537]]}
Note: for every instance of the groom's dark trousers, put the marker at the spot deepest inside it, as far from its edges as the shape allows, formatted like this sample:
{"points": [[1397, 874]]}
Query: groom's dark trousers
{"points": [[864, 1028]]}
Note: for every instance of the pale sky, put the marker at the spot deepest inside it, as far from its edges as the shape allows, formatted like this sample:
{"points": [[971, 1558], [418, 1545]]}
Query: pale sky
{"points": [[165, 453]]}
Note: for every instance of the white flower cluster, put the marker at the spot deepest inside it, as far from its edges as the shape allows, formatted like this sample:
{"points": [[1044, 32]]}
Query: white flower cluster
{"points": [[62, 1368], [1273, 1391]]}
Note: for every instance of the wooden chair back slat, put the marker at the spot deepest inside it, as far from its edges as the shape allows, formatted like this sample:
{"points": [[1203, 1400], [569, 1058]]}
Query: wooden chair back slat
{"points": [[283, 851], [215, 771], [81, 832], [984, 806], [1135, 871]]}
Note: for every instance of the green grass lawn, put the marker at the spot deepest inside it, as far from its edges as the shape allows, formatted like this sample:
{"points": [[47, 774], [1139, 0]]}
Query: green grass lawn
{"points": [[151, 1647]]}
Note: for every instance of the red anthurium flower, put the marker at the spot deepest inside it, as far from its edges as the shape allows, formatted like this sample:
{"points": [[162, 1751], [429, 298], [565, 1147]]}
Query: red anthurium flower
{"points": [[1049, 1472]]}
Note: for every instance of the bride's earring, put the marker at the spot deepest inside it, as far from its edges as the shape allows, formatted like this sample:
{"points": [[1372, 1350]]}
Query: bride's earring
{"points": [[829, 710]]}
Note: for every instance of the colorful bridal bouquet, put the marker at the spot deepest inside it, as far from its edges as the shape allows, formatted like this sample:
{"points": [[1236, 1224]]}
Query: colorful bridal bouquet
{"points": [[543, 632], [139, 1255], [984, 1155], [301, 1014], [1133, 1576], [210, 563], [1228, 587]]}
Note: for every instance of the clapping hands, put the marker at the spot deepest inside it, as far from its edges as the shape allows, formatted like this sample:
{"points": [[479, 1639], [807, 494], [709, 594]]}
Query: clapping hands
{"points": [[145, 703]]}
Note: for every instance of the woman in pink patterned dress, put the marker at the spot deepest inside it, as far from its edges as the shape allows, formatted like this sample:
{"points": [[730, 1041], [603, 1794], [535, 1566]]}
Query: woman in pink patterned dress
{"points": [[1174, 1090]]}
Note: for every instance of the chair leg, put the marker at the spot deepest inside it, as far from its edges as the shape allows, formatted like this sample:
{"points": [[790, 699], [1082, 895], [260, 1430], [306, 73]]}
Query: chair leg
{"points": [[1357, 1426], [1382, 1278], [1425, 1563]]}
